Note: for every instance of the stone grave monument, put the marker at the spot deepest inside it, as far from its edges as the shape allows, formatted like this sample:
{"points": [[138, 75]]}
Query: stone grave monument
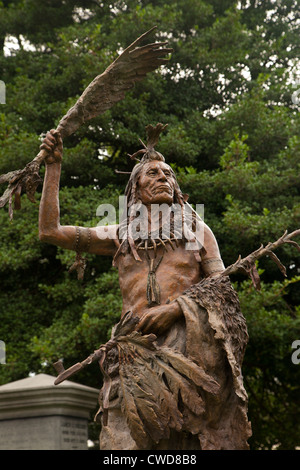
{"points": [[37, 415]]}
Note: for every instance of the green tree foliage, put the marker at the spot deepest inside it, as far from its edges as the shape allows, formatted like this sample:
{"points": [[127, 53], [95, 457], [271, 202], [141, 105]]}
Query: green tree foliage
{"points": [[233, 139]]}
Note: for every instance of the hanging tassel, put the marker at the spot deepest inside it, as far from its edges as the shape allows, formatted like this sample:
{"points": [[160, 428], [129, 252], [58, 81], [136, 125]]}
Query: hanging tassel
{"points": [[153, 289], [79, 265], [82, 243]]}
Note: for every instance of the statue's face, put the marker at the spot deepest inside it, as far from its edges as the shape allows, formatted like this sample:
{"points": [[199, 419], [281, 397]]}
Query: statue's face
{"points": [[156, 183]]}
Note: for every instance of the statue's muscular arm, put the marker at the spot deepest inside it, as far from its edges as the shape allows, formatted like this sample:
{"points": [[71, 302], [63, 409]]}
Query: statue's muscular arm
{"points": [[101, 239]]}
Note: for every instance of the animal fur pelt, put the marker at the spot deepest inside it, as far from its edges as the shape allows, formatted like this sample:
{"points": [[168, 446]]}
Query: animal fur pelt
{"points": [[189, 381]]}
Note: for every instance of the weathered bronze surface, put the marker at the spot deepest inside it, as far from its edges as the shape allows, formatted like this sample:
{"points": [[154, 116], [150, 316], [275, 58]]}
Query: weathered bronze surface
{"points": [[172, 369]]}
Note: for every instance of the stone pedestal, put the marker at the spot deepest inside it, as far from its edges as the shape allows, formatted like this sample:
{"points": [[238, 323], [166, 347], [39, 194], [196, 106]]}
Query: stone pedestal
{"points": [[35, 414]]}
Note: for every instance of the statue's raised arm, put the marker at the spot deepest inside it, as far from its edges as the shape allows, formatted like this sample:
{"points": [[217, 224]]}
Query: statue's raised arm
{"points": [[79, 239], [102, 93]]}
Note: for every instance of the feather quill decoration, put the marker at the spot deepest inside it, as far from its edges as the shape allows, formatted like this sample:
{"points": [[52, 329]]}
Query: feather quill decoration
{"points": [[101, 94], [154, 381]]}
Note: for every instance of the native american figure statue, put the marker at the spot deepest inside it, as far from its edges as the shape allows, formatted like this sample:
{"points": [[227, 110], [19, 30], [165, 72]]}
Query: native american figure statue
{"points": [[175, 381], [173, 367]]}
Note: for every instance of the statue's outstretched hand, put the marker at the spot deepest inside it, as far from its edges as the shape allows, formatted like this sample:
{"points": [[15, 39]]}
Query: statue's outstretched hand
{"points": [[53, 144]]}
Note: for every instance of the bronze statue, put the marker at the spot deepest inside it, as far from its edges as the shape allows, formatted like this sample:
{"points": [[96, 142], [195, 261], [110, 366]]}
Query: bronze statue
{"points": [[172, 368], [173, 379]]}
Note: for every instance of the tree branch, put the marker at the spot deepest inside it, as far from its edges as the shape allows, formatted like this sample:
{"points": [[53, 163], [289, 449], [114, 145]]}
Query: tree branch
{"points": [[247, 265]]}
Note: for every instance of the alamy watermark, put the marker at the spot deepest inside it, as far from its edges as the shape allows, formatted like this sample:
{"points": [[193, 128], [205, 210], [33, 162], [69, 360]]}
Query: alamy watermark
{"points": [[2, 352], [296, 353], [157, 221], [2, 92], [296, 94]]}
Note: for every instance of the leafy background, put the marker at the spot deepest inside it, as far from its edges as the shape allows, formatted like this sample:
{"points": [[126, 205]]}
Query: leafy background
{"points": [[228, 95]]}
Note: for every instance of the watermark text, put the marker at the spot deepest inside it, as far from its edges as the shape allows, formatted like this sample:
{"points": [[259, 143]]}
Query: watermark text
{"points": [[2, 352], [141, 222], [296, 353], [2, 92]]}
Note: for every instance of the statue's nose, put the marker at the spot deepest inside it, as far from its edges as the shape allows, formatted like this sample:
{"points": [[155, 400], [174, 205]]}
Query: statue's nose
{"points": [[162, 176]]}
